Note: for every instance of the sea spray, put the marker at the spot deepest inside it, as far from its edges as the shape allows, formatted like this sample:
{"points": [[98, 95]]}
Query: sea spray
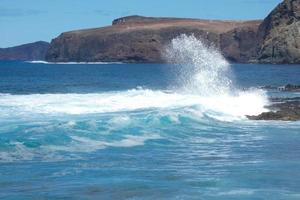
{"points": [[202, 70], [199, 68], [206, 87]]}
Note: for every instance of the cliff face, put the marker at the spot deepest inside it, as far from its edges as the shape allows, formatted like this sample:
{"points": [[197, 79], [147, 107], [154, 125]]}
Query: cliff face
{"points": [[141, 39], [280, 34], [32, 51], [240, 44]]}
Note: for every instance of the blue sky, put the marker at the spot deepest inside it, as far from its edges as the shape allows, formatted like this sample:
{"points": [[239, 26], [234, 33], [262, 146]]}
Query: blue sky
{"points": [[24, 21]]}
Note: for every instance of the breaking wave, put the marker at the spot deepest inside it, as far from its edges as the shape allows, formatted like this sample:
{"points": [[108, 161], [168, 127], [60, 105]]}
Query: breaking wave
{"points": [[64, 126], [245, 103], [72, 63], [203, 74]]}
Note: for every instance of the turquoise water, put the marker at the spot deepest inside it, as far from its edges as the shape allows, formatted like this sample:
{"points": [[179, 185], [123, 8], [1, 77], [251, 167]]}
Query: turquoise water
{"points": [[124, 131]]}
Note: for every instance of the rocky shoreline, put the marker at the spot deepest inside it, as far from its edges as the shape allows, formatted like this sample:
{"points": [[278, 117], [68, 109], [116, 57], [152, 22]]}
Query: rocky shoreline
{"points": [[286, 88], [284, 109]]}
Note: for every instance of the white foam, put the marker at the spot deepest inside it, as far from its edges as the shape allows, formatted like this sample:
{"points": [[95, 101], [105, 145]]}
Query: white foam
{"points": [[244, 103], [133, 140], [20, 153], [37, 62], [77, 144], [203, 71], [238, 192], [72, 63], [83, 144], [205, 86], [120, 121]]}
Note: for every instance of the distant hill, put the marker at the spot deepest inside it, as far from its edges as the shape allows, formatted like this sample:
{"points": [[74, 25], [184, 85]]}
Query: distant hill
{"points": [[31, 51], [138, 39], [141, 39], [275, 39]]}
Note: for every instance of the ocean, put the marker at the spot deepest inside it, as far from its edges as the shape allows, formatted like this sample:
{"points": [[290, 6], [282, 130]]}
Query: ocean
{"points": [[146, 131]]}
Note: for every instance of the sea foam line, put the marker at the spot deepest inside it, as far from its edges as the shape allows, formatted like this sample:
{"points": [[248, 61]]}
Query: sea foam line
{"points": [[239, 105], [72, 63]]}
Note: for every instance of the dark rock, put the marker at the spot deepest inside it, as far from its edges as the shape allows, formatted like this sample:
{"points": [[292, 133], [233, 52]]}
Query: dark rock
{"points": [[239, 44], [282, 100], [268, 87], [291, 88], [136, 19], [279, 34], [31, 51], [283, 109], [286, 88]]}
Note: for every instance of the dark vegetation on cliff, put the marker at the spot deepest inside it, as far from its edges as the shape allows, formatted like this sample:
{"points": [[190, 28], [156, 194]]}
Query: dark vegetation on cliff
{"points": [[31, 51]]}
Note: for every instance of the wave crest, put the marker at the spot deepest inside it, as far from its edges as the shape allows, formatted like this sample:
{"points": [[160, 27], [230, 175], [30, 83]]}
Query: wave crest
{"points": [[244, 103]]}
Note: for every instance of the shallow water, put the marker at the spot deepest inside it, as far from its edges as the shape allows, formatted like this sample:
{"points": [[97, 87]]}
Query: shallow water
{"points": [[124, 131]]}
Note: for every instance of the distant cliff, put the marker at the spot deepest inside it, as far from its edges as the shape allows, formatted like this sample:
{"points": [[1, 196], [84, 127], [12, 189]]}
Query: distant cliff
{"points": [[142, 39], [31, 51]]}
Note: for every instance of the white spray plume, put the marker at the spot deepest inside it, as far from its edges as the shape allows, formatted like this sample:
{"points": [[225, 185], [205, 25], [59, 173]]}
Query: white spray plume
{"points": [[200, 68]]}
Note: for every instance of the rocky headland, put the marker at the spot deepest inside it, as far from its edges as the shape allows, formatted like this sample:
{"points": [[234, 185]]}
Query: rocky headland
{"points": [[142, 39], [276, 39], [31, 51], [138, 39]]}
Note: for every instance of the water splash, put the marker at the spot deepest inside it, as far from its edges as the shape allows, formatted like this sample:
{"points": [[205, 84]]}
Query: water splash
{"points": [[200, 68], [202, 71], [205, 86]]}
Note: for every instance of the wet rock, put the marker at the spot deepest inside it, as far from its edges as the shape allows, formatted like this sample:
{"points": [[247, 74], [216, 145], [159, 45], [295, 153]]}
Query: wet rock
{"points": [[268, 87], [286, 88], [285, 109], [291, 88]]}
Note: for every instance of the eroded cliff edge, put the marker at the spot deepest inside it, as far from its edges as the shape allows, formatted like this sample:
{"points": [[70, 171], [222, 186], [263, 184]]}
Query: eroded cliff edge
{"points": [[142, 39]]}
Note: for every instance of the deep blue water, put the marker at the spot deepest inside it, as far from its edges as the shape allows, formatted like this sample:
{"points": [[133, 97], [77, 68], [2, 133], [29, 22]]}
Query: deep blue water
{"points": [[126, 131]]}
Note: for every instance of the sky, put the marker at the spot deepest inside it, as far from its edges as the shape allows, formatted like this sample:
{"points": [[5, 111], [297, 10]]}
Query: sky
{"points": [[24, 21]]}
